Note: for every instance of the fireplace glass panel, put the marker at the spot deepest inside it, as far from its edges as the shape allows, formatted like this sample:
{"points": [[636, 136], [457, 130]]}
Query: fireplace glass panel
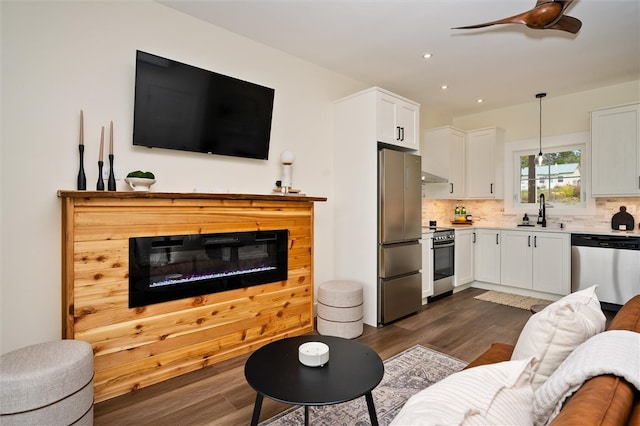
{"points": [[180, 266]]}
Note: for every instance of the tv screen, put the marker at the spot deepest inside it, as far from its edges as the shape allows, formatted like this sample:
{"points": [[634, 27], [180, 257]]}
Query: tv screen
{"points": [[182, 107]]}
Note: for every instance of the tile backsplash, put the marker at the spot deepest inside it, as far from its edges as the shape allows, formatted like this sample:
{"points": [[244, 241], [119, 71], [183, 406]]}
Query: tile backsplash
{"points": [[492, 211]]}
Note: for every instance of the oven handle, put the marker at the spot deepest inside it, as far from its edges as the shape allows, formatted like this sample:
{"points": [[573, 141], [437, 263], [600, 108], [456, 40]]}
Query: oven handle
{"points": [[435, 246]]}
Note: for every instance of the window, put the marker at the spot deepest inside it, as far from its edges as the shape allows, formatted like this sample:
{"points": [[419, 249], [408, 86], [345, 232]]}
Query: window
{"points": [[559, 178], [564, 176]]}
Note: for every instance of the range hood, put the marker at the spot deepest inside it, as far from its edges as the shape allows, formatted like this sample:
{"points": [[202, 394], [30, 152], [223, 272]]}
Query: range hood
{"points": [[431, 178]]}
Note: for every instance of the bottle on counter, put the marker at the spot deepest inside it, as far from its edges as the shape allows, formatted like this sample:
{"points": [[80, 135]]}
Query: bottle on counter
{"points": [[525, 219], [463, 211]]}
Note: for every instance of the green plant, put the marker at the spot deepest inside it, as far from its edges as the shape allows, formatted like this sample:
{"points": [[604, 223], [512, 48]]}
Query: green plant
{"points": [[141, 174]]}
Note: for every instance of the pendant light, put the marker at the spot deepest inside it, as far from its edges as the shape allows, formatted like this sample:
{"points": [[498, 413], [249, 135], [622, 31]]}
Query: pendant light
{"points": [[540, 158]]}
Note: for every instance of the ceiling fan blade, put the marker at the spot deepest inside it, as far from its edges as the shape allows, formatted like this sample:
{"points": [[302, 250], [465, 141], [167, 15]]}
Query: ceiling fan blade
{"points": [[517, 19], [546, 14], [567, 23]]}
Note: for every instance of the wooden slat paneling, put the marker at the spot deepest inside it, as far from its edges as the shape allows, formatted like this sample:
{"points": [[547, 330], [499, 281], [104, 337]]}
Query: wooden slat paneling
{"points": [[137, 347]]}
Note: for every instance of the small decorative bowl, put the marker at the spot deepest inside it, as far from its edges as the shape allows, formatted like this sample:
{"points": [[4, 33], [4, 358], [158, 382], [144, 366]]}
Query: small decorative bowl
{"points": [[313, 354], [139, 184]]}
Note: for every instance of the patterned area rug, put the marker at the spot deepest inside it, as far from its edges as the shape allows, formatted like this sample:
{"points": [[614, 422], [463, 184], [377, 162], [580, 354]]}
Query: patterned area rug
{"points": [[515, 300], [404, 375]]}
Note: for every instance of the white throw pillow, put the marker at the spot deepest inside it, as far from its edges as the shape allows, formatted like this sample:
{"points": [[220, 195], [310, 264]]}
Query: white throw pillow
{"points": [[498, 393], [553, 333]]}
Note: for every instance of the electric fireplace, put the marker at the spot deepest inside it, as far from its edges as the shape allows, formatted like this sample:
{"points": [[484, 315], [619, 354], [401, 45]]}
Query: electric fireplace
{"points": [[180, 266]]}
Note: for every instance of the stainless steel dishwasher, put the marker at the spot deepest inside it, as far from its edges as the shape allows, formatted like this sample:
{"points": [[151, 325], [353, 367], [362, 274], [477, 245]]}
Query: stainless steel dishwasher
{"points": [[610, 261]]}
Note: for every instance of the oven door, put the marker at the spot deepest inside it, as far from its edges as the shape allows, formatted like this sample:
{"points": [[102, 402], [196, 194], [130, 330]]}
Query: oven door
{"points": [[443, 260]]}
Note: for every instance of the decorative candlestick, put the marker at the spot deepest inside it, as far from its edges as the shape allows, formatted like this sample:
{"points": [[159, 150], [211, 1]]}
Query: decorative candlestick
{"points": [[82, 179], [100, 184], [111, 184]]}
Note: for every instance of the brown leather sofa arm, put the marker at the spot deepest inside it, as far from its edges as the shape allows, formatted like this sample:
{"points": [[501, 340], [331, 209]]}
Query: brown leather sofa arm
{"points": [[498, 352], [628, 317], [603, 400], [635, 414]]}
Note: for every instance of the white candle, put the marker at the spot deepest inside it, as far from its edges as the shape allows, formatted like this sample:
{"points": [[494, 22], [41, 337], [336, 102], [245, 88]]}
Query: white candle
{"points": [[101, 143], [111, 138]]}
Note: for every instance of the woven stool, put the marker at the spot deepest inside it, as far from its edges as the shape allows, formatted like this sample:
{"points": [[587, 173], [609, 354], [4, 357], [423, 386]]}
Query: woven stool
{"points": [[49, 383], [340, 309]]}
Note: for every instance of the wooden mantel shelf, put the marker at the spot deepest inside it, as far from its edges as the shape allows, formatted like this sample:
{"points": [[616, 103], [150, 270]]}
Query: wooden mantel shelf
{"points": [[137, 347], [185, 195]]}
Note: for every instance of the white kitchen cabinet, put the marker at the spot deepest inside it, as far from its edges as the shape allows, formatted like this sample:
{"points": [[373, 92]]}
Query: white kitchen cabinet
{"points": [[398, 121], [536, 261], [485, 163], [427, 265], [516, 258], [443, 154], [487, 255], [464, 256], [615, 151], [552, 262], [355, 196]]}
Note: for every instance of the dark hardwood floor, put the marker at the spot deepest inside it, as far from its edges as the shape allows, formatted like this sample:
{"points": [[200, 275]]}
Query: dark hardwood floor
{"points": [[457, 325]]}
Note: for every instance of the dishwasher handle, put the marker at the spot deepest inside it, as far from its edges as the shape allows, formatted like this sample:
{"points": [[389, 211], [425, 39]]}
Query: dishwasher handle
{"points": [[605, 241]]}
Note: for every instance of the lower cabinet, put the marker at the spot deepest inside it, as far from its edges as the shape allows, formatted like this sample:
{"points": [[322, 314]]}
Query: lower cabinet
{"points": [[552, 262], [536, 261], [464, 256], [427, 265], [487, 255]]}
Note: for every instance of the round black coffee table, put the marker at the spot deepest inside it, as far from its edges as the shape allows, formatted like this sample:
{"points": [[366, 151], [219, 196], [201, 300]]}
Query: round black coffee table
{"points": [[353, 370]]}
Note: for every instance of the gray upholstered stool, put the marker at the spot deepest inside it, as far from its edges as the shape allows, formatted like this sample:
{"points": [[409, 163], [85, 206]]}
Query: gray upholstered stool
{"points": [[340, 309], [49, 383]]}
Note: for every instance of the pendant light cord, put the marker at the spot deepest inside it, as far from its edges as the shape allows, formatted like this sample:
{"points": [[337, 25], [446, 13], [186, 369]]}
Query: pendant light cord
{"points": [[540, 96]]}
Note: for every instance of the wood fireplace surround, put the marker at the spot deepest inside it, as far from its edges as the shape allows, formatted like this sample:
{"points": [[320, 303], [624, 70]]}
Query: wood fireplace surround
{"points": [[137, 347]]}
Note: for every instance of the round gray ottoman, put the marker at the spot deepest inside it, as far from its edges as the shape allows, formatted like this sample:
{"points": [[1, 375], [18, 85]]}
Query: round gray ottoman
{"points": [[340, 309], [49, 383]]}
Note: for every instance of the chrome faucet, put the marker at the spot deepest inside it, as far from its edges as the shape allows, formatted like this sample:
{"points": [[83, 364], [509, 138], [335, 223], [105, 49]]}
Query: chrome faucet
{"points": [[542, 213]]}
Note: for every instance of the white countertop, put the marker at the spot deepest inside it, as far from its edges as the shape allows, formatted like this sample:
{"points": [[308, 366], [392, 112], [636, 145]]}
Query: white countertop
{"points": [[601, 230]]}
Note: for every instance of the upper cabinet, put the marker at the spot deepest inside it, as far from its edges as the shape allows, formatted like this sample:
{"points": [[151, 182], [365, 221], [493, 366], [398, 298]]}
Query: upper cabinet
{"points": [[485, 163], [398, 121], [615, 151], [443, 155]]}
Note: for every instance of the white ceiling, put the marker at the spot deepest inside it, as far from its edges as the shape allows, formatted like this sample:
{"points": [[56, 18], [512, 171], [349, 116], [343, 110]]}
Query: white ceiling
{"points": [[381, 42]]}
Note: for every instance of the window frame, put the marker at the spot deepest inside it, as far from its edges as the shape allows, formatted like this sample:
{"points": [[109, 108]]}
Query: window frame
{"points": [[514, 150]]}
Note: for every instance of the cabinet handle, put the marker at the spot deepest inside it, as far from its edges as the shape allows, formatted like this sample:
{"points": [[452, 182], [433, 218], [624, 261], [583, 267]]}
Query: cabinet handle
{"points": [[497, 239], [474, 238], [451, 191], [491, 189], [399, 129], [535, 241], [402, 133], [529, 241]]}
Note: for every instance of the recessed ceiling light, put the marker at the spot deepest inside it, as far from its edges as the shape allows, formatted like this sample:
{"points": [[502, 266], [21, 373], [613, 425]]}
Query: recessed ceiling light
{"points": [[444, 87], [480, 101], [427, 55]]}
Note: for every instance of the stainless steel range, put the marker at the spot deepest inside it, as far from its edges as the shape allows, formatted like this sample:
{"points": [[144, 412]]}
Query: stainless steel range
{"points": [[443, 249]]}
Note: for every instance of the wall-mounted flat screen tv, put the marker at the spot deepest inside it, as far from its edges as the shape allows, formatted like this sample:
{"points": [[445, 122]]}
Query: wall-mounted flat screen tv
{"points": [[182, 107]]}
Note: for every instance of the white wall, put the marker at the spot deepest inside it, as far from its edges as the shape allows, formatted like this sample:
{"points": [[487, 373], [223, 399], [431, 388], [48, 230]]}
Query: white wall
{"points": [[60, 57], [560, 115]]}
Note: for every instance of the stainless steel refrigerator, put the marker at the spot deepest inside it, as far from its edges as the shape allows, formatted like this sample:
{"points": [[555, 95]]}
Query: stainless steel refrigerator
{"points": [[399, 233]]}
